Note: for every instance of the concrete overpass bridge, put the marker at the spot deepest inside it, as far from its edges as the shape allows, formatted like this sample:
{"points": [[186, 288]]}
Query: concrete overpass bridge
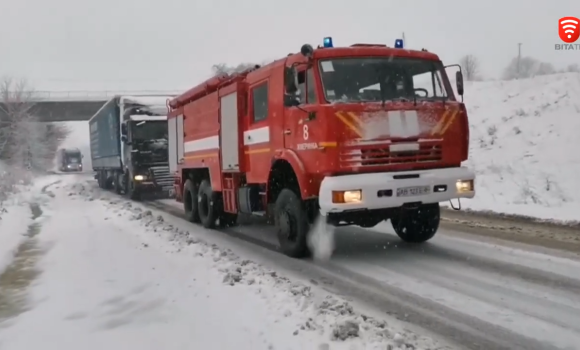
{"points": [[57, 106]]}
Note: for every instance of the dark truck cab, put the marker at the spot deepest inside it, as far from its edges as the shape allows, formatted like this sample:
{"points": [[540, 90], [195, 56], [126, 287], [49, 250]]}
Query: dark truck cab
{"points": [[129, 149], [145, 153], [69, 160]]}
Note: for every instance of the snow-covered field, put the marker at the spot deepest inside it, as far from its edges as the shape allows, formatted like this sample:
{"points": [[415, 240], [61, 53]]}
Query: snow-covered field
{"points": [[116, 275], [523, 146]]}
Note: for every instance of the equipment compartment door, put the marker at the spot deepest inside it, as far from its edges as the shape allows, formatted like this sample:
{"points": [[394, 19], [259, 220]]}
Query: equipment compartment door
{"points": [[229, 133], [172, 143], [179, 139]]}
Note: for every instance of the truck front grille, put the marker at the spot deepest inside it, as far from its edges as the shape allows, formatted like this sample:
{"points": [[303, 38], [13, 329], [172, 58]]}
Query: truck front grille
{"points": [[375, 155], [163, 177]]}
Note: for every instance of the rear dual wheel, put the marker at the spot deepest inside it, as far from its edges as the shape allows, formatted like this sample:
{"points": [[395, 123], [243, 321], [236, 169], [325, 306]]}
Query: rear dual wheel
{"points": [[205, 206]]}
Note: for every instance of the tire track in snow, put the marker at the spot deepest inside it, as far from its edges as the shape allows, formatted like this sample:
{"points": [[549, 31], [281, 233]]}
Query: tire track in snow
{"points": [[342, 276], [19, 275]]}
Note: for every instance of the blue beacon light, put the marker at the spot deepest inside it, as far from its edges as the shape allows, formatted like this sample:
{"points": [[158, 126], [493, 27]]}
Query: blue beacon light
{"points": [[399, 44], [327, 42]]}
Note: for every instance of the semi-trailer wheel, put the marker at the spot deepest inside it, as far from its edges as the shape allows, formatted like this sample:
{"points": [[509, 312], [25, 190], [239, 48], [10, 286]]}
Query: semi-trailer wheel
{"points": [[102, 180], [207, 203], [118, 182], [291, 220], [417, 225], [190, 202]]}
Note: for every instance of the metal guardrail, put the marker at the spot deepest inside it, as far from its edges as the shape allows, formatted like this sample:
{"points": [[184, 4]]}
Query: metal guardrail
{"points": [[94, 95]]}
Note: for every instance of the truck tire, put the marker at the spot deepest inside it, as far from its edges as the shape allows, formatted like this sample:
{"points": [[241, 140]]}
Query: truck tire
{"points": [[291, 220], [208, 205], [417, 225], [101, 179], [132, 191], [118, 185], [190, 202]]}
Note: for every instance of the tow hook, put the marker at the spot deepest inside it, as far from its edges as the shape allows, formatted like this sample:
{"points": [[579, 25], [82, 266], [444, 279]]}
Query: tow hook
{"points": [[458, 204]]}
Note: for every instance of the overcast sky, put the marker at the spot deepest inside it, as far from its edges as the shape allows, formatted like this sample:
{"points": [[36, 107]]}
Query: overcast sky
{"points": [[172, 44]]}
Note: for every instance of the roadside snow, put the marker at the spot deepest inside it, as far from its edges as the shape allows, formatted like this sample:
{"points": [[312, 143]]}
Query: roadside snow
{"points": [[119, 276], [523, 137], [15, 217]]}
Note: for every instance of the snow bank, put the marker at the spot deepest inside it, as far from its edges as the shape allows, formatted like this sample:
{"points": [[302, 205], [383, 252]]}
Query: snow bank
{"points": [[523, 146], [152, 282], [16, 215], [78, 137]]}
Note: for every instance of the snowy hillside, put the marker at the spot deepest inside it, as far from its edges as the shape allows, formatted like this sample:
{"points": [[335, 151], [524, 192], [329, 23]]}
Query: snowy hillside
{"points": [[524, 139], [78, 138]]}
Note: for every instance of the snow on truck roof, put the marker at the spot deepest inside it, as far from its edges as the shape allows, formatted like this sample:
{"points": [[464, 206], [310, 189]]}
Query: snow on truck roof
{"points": [[147, 118], [147, 100]]}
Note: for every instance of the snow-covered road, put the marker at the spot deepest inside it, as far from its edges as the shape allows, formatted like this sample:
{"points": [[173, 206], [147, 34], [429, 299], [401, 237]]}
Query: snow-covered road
{"points": [[121, 275]]}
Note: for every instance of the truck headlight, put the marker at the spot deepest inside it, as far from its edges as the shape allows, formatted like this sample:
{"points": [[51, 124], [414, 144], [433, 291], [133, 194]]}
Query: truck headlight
{"points": [[464, 186], [352, 196], [139, 177]]}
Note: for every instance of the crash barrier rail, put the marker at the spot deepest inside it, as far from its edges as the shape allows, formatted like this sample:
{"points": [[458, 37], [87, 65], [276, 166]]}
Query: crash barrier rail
{"points": [[93, 95]]}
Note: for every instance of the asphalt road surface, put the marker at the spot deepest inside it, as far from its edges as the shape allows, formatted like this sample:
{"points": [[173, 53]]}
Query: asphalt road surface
{"points": [[477, 291]]}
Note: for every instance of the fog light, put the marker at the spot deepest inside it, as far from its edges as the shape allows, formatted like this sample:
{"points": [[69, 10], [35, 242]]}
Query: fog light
{"points": [[352, 196], [139, 177], [464, 186]]}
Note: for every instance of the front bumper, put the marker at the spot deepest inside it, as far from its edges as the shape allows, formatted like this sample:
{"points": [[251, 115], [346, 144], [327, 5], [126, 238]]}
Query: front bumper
{"points": [[379, 190]]}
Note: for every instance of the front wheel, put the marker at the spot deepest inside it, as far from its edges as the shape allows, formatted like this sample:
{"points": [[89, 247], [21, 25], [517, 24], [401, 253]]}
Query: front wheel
{"points": [[417, 225], [131, 189], [291, 220], [118, 182]]}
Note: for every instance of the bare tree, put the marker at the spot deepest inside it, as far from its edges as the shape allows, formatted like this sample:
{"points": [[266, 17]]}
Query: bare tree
{"points": [[573, 68], [470, 65], [527, 67], [25, 142]]}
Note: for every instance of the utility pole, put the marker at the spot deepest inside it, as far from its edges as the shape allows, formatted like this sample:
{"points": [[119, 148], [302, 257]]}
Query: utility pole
{"points": [[519, 57]]}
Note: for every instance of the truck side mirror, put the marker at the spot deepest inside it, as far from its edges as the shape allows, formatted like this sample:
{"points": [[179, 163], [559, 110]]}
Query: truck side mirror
{"points": [[459, 82], [291, 101], [124, 130], [124, 138]]}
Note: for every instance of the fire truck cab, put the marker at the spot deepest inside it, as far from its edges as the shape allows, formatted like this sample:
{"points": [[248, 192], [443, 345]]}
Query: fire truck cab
{"points": [[357, 135]]}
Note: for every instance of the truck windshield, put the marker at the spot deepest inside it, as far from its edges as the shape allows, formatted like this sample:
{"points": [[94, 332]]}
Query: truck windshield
{"points": [[72, 157], [376, 79], [149, 130]]}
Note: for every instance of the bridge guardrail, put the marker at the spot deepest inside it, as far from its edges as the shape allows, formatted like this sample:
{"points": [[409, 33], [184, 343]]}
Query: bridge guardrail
{"points": [[93, 95]]}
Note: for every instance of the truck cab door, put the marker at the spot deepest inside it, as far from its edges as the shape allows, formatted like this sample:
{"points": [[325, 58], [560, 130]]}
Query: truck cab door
{"points": [[299, 114], [126, 139]]}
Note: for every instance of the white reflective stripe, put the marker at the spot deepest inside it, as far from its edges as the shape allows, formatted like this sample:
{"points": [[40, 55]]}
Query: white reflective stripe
{"points": [[403, 123], [412, 120], [256, 136], [212, 142]]}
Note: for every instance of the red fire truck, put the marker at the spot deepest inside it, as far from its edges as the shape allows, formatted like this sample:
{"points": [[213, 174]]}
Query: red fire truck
{"points": [[357, 134]]}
